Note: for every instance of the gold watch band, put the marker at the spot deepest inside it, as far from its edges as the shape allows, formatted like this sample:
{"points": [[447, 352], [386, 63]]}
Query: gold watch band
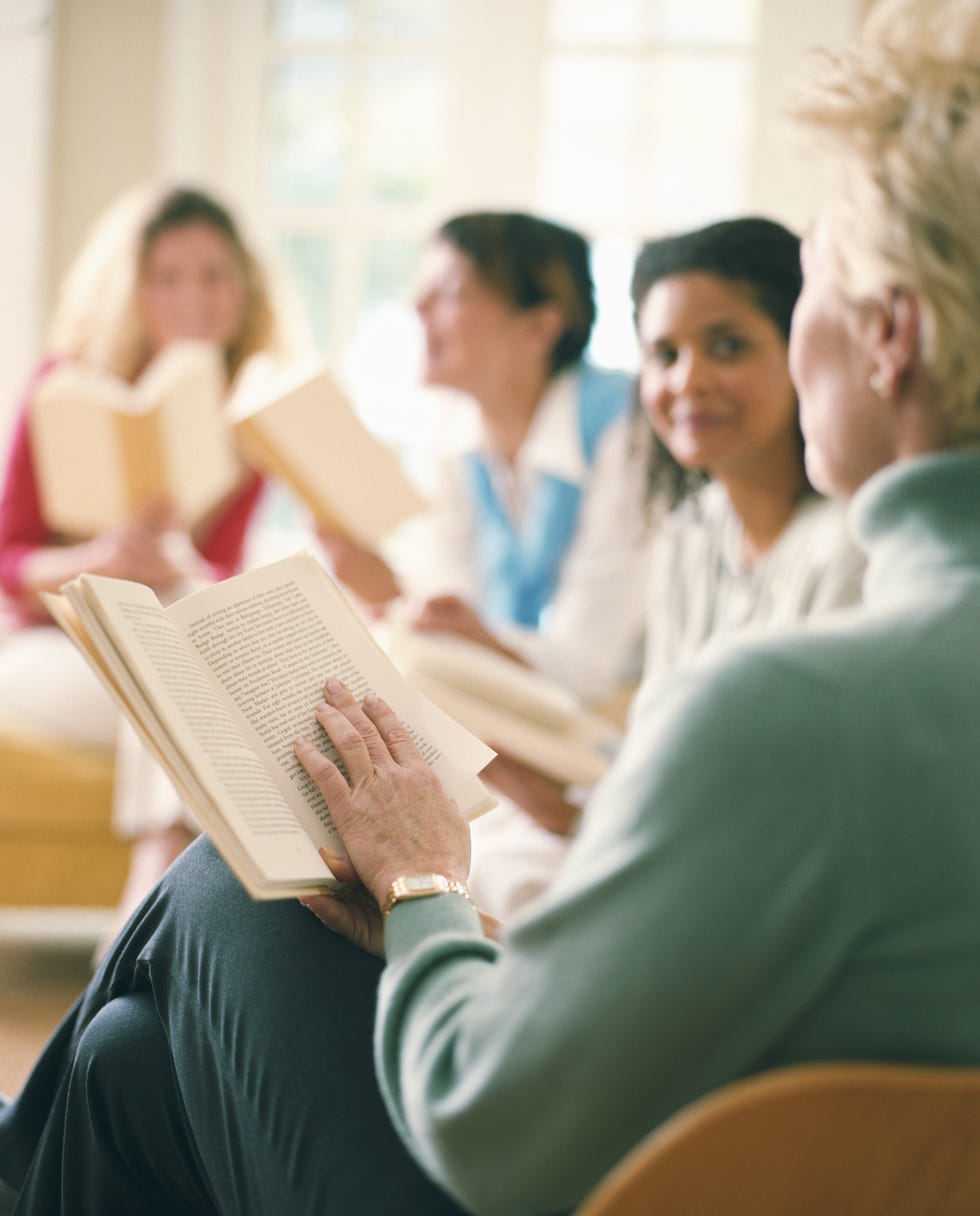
{"points": [[421, 886]]}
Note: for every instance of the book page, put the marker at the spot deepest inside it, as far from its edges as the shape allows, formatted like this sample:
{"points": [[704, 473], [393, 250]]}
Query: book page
{"points": [[158, 672], [513, 708], [271, 637], [483, 673], [565, 756], [77, 455], [111, 667]]}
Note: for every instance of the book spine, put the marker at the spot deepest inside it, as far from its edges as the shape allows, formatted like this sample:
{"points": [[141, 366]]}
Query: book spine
{"points": [[144, 460]]}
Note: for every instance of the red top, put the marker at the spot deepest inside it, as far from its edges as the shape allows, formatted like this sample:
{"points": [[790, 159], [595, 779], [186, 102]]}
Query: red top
{"points": [[23, 528]]}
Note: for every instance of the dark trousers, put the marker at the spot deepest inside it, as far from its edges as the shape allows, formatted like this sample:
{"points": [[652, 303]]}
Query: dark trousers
{"points": [[219, 1061]]}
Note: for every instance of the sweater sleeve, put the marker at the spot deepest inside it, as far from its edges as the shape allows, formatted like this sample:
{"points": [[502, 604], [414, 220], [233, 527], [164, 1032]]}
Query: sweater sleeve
{"points": [[699, 914]]}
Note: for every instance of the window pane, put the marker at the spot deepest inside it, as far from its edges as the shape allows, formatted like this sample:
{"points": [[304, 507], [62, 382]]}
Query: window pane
{"points": [[306, 157], [589, 111], [633, 22], [307, 258], [392, 270], [408, 18], [730, 22], [312, 18], [381, 371], [404, 129], [697, 163], [613, 342], [592, 23], [382, 362]]}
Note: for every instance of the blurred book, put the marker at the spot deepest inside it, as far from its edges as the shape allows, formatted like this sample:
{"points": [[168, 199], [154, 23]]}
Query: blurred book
{"points": [[103, 448], [512, 708], [295, 424]]}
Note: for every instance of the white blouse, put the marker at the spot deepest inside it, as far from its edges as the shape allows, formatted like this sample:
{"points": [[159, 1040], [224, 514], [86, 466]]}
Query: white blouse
{"points": [[700, 585], [590, 632]]}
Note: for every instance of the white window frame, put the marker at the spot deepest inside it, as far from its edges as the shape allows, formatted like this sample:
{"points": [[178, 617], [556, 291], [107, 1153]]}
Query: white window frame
{"points": [[214, 65]]}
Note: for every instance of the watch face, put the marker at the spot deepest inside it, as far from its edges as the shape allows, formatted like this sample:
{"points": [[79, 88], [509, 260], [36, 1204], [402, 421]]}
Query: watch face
{"points": [[411, 886], [420, 882]]}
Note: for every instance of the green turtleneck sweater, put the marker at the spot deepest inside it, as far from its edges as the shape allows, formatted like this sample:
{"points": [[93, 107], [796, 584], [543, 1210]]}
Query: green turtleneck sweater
{"points": [[783, 865]]}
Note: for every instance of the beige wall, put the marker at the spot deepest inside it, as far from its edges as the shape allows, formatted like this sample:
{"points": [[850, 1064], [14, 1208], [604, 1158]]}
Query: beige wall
{"points": [[105, 134], [80, 87], [783, 185], [25, 77]]}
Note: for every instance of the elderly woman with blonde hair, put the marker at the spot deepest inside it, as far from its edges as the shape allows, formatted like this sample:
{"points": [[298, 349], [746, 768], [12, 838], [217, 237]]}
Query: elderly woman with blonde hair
{"points": [[783, 865]]}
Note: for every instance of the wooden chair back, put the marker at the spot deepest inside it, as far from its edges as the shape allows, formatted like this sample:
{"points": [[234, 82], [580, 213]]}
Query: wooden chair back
{"points": [[812, 1140]]}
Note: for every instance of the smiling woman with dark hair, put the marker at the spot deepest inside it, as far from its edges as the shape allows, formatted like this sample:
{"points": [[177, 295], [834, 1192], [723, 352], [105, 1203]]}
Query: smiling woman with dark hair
{"points": [[783, 865], [749, 542], [759, 257]]}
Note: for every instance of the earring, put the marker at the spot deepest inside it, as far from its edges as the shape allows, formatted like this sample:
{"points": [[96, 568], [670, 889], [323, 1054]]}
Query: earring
{"points": [[880, 383]]}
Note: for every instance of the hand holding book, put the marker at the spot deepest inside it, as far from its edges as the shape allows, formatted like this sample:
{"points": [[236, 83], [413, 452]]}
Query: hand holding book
{"points": [[362, 570], [221, 683], [385, 771], [546, 799], [451, 615]]}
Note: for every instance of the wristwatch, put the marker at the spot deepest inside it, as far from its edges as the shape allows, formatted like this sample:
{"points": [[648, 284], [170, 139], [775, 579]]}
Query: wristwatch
{"points": [[420, 886]]}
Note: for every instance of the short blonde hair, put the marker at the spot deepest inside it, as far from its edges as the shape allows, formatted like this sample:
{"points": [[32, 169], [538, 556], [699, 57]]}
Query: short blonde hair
{"points": [[97, 319], [897, 118]]}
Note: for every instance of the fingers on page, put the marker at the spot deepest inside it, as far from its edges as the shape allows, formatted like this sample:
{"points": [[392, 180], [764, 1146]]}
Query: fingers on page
{"points": [[359, 751], [323, 771], [337, 695], [395, 736]]}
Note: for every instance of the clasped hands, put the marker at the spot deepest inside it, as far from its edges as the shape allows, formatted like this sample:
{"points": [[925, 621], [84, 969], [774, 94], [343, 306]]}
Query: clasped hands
{"points": [[393, 814], [150, 548]]}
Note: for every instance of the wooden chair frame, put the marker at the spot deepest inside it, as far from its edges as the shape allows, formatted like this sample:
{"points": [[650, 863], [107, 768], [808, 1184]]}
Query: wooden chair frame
{"points": [[811, 1140]]}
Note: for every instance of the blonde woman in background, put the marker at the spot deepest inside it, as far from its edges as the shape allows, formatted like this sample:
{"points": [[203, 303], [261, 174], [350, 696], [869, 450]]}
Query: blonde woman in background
{"points": [[163, 264]]}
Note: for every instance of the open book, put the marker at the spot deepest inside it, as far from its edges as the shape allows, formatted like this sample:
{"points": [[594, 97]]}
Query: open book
{"points": [[511, 707], [219, 685], [104, 448], [296, 425]]}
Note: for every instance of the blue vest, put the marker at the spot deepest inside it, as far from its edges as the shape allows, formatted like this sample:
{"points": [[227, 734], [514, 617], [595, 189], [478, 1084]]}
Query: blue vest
{"points": [[521, 566]]}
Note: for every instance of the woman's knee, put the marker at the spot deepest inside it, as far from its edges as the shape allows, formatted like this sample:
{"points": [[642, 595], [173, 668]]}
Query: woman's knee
{"points": [[123, 1050], [125, 1112]]}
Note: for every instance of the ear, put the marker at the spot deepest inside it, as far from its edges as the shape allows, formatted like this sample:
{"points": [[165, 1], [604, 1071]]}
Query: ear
{"points": [[894, 336], [547, 324]]}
